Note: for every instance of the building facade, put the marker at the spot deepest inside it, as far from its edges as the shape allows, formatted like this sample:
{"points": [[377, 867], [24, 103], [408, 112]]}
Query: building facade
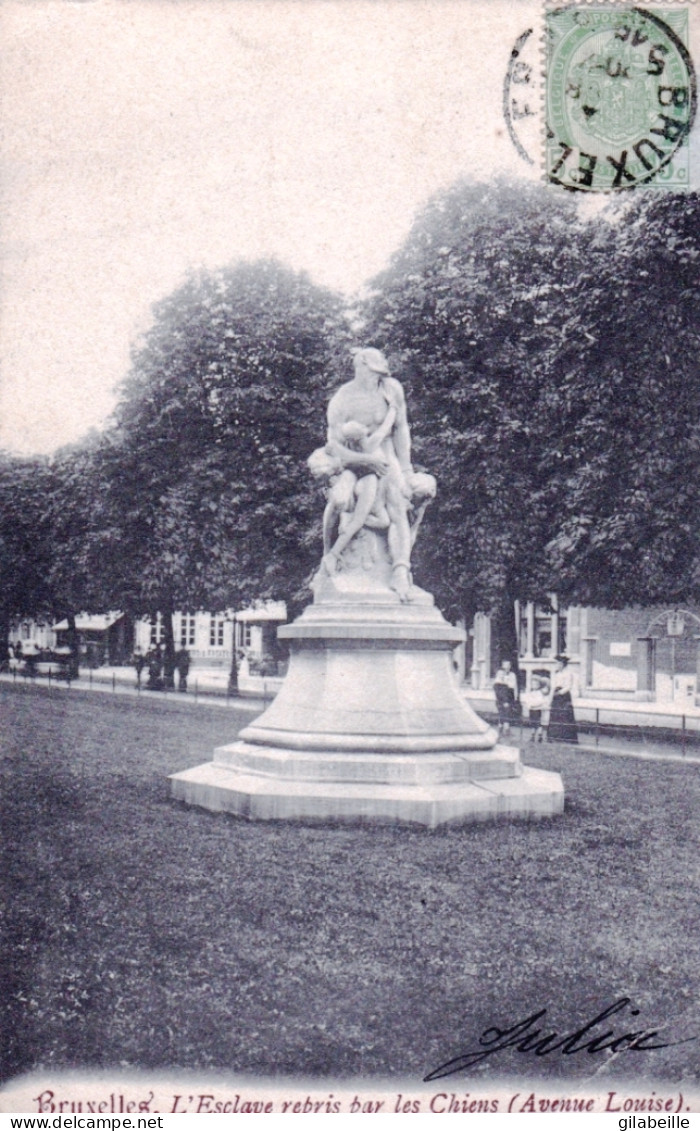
{"points": [[649, 654], [210, 637], [32, 635], [110, 638]]}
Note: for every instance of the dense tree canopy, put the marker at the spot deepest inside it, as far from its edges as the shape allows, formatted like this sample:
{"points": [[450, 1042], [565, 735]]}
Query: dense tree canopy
{"points": [[25, 552], [55, 542], [552, 363], [628, 414], [472, 306], [550, 358], [82, 532], [223, 405], [197, 495]]}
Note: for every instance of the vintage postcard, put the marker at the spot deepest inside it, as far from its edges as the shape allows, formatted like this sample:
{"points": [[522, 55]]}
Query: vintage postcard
{"points": [[349, 475]]}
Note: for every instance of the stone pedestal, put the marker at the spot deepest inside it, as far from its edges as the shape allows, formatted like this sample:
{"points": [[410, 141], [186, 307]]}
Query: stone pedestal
{"points": [[370, 726]]}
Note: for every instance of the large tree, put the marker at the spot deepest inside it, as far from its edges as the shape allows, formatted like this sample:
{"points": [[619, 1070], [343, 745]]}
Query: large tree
{"points": [[625, 452], [551, 365], [469, 308], [224, 402], [82, 536], [54, 540], [25, 552]]}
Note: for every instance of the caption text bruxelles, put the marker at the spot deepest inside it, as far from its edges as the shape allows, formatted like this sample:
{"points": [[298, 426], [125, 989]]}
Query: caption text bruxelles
{"points": [[635, 1106]]}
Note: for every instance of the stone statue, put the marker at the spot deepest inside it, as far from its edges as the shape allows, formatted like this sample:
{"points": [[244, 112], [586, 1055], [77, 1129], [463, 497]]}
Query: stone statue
{"points": [[367, 461], [370, 723]]}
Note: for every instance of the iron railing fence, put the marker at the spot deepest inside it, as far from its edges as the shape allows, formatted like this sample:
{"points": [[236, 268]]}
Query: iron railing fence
{"points": [[678, 732], [606, 725], [60, 678]]}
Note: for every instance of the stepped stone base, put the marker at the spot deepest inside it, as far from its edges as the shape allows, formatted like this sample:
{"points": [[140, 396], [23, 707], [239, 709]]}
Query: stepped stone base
{"points": [[429, 790]]}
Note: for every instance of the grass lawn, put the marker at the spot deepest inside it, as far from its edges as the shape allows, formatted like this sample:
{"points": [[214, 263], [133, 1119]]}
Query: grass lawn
{"points": [[144, 933]]}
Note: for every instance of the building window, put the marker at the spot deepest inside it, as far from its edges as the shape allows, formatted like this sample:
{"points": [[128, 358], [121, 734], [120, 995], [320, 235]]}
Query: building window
{"points": [[187, 630], [216, 632], [247, 636], [156, 629]]}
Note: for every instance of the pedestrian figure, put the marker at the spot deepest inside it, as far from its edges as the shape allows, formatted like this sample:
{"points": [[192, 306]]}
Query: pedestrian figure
{"points": [[139, 661], [562, 724], [30, 659], [536, 700], [505, 686], [183, 667], [155, 669], [169, 665]]}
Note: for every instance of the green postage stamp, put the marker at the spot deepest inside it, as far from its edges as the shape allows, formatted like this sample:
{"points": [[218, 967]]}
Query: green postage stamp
{"points": [[620, 97]]}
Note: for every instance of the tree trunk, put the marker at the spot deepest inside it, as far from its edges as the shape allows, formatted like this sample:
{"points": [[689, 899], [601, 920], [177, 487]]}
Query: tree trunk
{"points": [[233, 673], [504, 639], [169, 651], [4, 637], [74, 644], [128, 639]]}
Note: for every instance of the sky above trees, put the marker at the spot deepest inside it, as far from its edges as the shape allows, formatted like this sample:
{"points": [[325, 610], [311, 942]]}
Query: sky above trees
{"points": [[144, 139]]}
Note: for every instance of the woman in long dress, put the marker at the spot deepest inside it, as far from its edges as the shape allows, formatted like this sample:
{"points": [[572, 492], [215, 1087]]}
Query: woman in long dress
{"points": [[562, 724]]}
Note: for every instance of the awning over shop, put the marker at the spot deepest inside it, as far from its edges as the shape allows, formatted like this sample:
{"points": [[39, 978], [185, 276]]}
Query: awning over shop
{"points": [[85, 622], [271, 611]]}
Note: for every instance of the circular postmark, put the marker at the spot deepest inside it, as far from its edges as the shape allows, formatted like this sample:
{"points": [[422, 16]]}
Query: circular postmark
{"points": [[620, 98], [520, 95]]}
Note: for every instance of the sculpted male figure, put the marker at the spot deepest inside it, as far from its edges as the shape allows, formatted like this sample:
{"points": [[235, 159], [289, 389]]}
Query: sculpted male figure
{"points": [[375, 401]]}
